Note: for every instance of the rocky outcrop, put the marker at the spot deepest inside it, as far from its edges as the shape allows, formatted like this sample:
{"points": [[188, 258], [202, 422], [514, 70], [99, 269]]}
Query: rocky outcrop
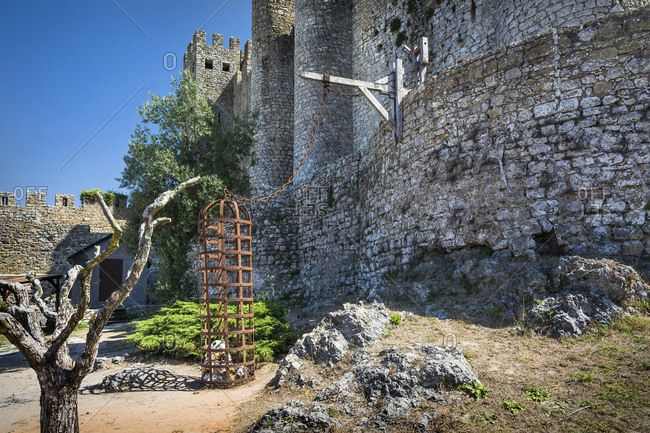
{"points": [[607, 278], [570, 314], [377, 389], [357, 324], [296, 416], [102, 362], [592, 291], [393, 382]]}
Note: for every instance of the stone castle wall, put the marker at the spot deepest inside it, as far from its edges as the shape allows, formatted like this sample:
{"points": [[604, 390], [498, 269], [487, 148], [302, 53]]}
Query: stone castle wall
{"points": [[565, 115], [41, 237], [458, 32], [323, 45], [530, 133], [272, 83]]}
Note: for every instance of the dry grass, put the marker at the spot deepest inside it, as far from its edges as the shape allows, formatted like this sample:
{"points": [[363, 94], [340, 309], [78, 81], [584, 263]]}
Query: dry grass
{"points": [[597, 383]]}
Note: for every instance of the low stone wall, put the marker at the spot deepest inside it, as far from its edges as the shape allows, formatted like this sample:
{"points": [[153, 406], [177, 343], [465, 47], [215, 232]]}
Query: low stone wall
{"points": [[40, 237]]}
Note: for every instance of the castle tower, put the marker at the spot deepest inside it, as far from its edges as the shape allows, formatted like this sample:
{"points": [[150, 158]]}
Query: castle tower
{"points": [[323, 44], [272, 93], [272, 83], [215, 66]]}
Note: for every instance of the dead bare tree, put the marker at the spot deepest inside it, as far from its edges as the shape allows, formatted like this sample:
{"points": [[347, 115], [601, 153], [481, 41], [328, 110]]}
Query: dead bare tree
{"points": [[58, 374]]}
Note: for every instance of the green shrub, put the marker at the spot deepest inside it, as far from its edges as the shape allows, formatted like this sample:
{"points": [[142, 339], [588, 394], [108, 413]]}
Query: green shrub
{"points": [[513, 406], [537, 393], [175, 331], [81, 325], [475, 390], [395, 319], [110, 197]]}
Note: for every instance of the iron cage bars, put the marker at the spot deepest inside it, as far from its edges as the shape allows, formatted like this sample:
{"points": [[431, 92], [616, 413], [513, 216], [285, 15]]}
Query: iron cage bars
{"points": [[225, 255]]}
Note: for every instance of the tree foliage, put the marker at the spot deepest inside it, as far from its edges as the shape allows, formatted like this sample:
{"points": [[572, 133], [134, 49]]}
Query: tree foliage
{"points": [[178, 138]]}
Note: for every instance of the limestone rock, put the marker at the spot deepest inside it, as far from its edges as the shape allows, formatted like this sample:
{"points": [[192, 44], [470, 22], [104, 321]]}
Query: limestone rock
{"points": [[296, 416], [321, 345], [569, 314], [359, 324], [607, 278], [394, 382], [105, 362]]}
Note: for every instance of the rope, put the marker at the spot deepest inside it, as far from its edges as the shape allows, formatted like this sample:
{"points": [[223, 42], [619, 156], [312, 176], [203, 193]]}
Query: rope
{"points": [[326, 91]]}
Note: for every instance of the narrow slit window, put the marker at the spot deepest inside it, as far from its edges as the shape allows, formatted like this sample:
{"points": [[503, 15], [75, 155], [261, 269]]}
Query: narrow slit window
{"points": [[209, 64], [226, 67], [473, 11], [65, 202], [5, 201]]}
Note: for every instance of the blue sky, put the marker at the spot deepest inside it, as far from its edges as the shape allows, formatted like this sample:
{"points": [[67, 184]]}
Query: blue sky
{"points": [[68, 67]]}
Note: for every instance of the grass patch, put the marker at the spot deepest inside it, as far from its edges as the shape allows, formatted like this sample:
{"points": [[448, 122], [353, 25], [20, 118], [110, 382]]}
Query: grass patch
{"points": [[581, 376], [395, 319]]}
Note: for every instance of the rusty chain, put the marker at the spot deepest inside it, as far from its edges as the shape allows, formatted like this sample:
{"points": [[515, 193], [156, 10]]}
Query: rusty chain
{"points": [[326, 91]]}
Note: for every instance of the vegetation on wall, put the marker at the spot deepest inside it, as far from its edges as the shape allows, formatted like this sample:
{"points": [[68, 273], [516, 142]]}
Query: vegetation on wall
{"points": [[175, 331], [180, 137], [110, 197]]}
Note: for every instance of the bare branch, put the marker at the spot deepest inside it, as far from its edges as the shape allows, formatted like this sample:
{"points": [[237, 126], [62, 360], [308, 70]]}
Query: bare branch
{"points": [[165, 198], [86, 272], [161, 221], [21, 311], [70, 278], [18, 290], [113, 244], [19, 337], [109, 216], [84, 363], [37, 296]]}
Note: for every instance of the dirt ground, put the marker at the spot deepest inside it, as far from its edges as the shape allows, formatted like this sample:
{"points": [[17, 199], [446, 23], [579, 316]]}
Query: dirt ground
{"points": [[600, 382], [179, 405]]}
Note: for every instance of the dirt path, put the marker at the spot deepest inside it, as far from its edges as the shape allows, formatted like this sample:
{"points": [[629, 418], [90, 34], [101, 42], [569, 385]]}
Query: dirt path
{"points": [[179, 405]]}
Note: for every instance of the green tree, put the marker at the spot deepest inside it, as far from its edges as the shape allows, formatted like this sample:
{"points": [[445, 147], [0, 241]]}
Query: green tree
{"points": [[179, 138]]}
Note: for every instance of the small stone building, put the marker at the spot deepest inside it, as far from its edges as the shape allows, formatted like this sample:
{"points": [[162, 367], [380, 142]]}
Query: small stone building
{"points": [[109, 275]]}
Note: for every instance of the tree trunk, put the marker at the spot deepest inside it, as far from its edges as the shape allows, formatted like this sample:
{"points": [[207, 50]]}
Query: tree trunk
{"points": [[59, 405]]}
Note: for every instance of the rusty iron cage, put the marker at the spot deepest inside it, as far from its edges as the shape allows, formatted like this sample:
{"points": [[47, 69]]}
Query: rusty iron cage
{"points": [[225, 256]]}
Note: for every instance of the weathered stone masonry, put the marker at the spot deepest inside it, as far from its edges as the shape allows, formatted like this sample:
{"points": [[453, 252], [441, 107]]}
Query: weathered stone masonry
{"points": [[566, 115], [532, 129], [41, 237]]}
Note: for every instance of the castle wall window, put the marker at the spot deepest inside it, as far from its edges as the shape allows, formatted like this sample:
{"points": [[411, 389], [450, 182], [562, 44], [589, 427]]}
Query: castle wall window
{"points": [[209, 64], [226, 67], [65, 202], [5, 201]]}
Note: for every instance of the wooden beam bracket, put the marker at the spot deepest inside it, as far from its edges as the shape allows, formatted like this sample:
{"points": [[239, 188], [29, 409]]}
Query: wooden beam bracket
{"points": [[392, 85]]}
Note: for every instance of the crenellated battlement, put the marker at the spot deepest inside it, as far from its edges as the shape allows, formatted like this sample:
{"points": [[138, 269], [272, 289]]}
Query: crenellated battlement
{"points": [[41, 237], [35, 198]]}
